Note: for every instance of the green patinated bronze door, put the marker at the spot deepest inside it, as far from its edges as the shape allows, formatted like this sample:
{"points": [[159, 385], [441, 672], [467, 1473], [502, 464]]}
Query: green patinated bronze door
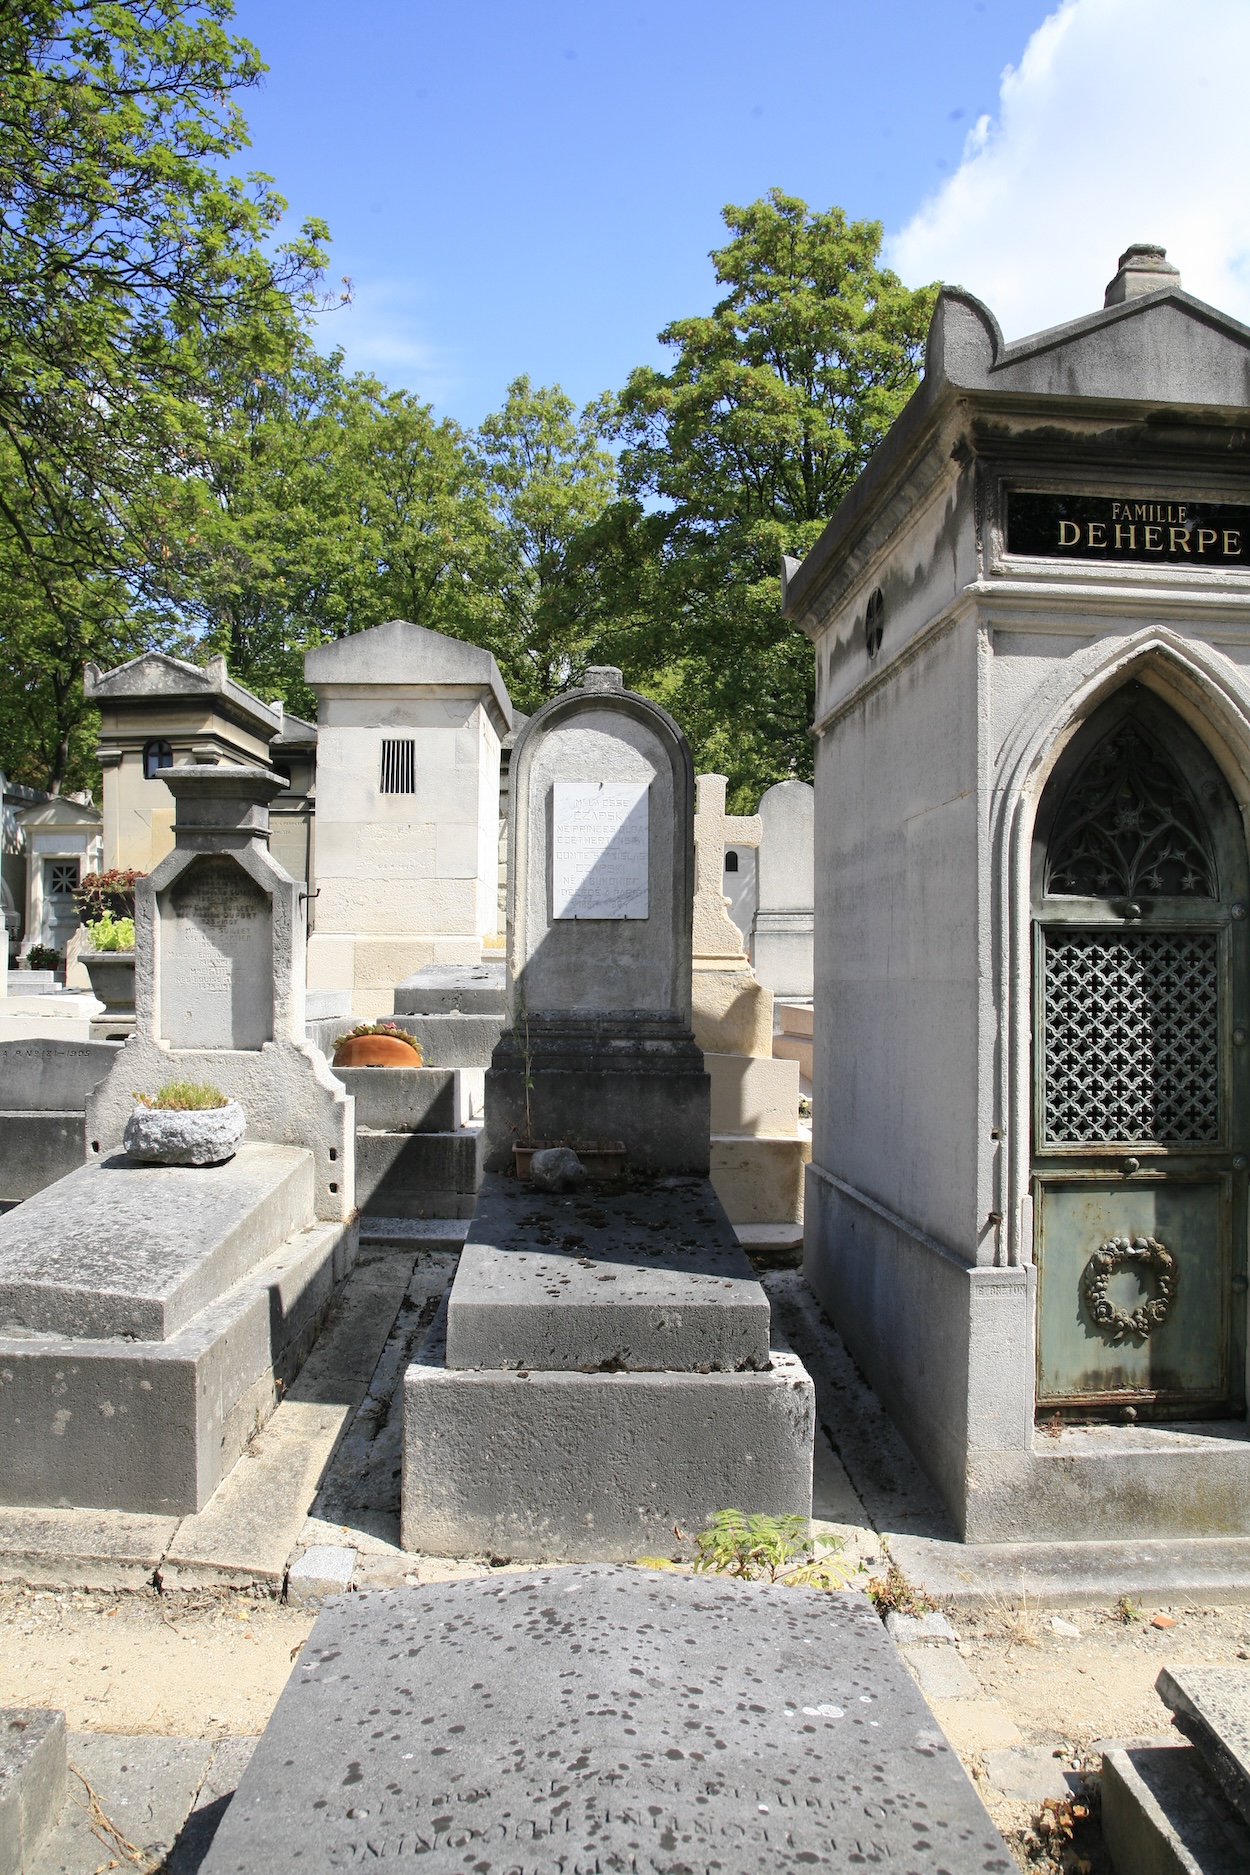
{"points": [[1140, 1020]]}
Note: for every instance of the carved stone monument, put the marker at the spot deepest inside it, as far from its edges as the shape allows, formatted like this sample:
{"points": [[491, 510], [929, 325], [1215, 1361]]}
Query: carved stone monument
{"points": [[150, 1315], [781, 931], [602, 1369]]}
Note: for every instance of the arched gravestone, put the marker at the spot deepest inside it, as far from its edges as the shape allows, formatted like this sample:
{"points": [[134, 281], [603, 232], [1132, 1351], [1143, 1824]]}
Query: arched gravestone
{"points": [[600, 889]]}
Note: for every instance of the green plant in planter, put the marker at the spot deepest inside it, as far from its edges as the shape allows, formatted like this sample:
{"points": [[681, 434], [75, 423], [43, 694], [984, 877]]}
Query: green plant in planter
{"points": [[43, 957], [183, 1097], [109, 933], [381, 1028]]}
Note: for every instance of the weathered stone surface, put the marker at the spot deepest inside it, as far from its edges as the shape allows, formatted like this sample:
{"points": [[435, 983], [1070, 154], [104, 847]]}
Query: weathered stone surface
{"points": [[603, 1718], [130, 1250], [1211, 1706], [447, 989], [782, 931], [155, 1426], [653, 1278], [32, 1782], [455, 1040], [556, 1168], [52, 1076], [1162, 1813], [323, 1570], [418, 1174], [397, 1100], [210, 1136], [36, 1149], [547, 1466]]}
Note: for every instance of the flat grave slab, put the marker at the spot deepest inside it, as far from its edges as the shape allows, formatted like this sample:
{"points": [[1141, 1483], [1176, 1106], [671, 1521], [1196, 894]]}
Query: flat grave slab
{"points": [[648, 1278], [1212, 1707], [603, 1718], [136, 1251]]}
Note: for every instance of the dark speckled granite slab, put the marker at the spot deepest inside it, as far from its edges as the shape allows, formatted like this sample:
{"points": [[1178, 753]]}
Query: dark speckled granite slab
{"points": [[603, 1719]]}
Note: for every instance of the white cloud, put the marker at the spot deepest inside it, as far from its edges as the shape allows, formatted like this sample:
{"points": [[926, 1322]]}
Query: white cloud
{"points": [[379, 333], [1125, 120]]}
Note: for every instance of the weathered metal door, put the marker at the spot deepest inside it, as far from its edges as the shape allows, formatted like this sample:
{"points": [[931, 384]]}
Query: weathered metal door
{"points": [[1140, 1019]]}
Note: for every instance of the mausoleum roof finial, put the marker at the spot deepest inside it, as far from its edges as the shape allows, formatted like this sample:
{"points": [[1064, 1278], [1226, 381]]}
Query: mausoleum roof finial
{"points": [[1142, 268]]}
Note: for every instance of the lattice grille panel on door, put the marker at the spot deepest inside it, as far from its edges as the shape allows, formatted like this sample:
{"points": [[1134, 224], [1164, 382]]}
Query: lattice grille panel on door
{"points": [[1131, 1037]]}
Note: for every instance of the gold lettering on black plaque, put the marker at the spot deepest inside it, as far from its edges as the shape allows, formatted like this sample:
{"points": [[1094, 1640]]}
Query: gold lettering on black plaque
{"points": [[1102, 527]]}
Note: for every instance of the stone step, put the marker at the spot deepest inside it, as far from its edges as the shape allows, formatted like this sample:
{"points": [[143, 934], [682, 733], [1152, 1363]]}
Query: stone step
{"points": [[1163, 1814], [760, 1181], [403, 1100], [651, 1278], [451, 989], [414, 1233], [1211, 1706], [32, 1782], [405, 1174], [753, 1094], [118, 1249]]}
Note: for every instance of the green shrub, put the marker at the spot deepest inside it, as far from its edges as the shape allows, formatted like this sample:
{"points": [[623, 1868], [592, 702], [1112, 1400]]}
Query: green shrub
{"points": [[43, 957], [183, 1097], [112, 934]]}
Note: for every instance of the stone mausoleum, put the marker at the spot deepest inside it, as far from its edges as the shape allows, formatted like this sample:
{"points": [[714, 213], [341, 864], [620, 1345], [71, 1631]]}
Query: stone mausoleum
{"points": [[1027, 1203]]}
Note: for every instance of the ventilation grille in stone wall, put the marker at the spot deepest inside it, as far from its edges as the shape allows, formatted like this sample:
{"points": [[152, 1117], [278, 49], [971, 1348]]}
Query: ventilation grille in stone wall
{"points": [[399, 766], [1131, 1037]]}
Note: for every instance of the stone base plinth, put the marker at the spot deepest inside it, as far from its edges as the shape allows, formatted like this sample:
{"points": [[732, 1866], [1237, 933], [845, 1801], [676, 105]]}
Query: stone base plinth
{"points": [[760, 1181], [752, 1094], [618, 1076], [733, 1014], [595, 1467]]}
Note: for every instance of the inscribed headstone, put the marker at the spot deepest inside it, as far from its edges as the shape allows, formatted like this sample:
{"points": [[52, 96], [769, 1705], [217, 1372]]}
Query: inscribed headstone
{"points": [[216, 960]]}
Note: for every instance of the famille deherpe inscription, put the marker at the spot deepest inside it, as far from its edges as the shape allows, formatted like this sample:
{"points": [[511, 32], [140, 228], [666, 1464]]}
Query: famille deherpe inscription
{"points": [[599, 849]]}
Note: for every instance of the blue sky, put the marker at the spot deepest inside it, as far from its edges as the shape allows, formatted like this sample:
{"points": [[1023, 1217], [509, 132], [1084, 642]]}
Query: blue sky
{"points": [[535, 187]]}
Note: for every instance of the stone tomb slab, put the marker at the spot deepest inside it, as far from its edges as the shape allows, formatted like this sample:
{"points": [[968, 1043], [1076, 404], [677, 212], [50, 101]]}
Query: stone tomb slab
{"points": [[650, 1278], [603, 1718], [137, 1251], [1212, 1707]]}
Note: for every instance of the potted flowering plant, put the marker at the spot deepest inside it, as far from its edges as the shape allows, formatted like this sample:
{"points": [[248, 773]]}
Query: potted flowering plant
{"points": [[377, 1045], [106, 905], [185, 1123]]}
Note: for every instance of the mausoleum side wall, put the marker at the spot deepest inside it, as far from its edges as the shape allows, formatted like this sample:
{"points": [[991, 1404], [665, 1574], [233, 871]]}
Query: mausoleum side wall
{"points": [[898, 946]]}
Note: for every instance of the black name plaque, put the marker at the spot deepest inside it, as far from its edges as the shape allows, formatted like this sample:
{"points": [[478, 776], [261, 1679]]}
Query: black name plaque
{"points": [[1130, 527]]}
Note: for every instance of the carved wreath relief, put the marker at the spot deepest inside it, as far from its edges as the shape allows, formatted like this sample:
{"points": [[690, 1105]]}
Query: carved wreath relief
{"points": [[1150, 1257]]}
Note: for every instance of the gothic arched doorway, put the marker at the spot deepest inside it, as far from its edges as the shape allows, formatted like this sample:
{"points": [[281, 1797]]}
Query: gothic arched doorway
{"points": [[1140, 1067]]}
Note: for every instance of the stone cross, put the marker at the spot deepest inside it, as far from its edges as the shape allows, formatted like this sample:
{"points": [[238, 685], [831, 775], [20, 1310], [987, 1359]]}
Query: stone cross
{"points": [[716, 936]]}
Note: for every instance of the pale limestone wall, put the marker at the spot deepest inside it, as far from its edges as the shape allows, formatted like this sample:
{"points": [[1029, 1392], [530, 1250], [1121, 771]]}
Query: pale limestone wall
{"points": [[138, 816], [404, 880]]}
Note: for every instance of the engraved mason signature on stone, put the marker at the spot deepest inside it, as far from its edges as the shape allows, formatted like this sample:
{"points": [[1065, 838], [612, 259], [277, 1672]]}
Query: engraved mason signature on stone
{"points": [[599, 846]]}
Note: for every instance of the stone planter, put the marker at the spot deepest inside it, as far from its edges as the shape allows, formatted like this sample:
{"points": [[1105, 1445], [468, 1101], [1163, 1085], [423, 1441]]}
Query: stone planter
{"points": [[112, 976], [205, 1136], [604, 1159], [375, 1051]]}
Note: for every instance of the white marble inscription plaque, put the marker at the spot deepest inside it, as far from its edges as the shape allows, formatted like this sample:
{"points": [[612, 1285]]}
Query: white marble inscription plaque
{"points": [[599, 849]]}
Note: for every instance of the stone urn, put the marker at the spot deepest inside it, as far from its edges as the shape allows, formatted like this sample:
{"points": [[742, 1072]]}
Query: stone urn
{"points": [[112, 976], [194, 1136], [376, 1051]]}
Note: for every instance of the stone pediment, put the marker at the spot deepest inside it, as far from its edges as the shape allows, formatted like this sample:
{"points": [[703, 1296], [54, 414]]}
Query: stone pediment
{"points": [[60, 812], [155, 677], [402, 654], [1159, 348]]}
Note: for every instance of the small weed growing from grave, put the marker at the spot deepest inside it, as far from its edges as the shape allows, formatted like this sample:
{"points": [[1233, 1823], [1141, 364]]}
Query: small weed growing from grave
{"points": [[1128, 1610], [768, 1549], [183, 1097], [893, 1594]]}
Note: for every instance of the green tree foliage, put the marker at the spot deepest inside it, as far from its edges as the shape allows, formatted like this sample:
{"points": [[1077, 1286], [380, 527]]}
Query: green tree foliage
{"points": [[738, 454], [328, 504], [549, 478], [135, 272]]}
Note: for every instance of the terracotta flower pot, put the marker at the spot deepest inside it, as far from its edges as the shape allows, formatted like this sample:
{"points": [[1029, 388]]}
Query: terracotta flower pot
{"points": [[375, 1051]]}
